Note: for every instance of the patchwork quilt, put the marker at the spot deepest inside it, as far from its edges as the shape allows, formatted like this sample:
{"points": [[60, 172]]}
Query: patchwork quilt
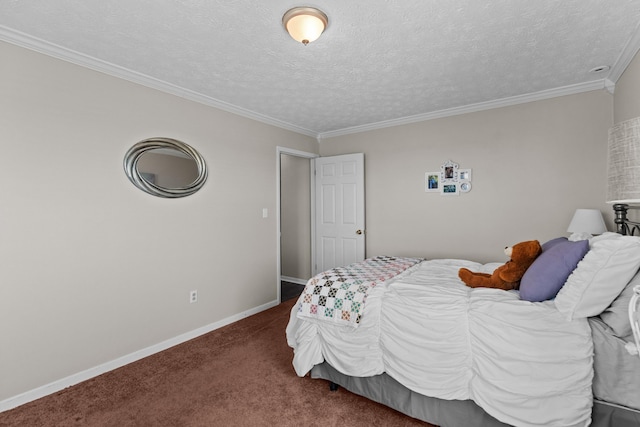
{"points": [[339, 295]]}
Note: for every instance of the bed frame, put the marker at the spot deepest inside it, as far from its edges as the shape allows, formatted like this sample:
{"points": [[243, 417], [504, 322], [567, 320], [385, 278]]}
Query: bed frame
{"points": [[455, 413], [449, 413], [625, 226]]}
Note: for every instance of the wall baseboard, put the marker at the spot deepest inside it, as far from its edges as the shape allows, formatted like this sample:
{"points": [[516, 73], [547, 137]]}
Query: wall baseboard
{"points": [[79, 377], [293, 280]]}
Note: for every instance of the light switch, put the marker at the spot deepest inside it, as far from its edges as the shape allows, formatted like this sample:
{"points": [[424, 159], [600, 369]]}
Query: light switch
{"points": [[265, 213]]}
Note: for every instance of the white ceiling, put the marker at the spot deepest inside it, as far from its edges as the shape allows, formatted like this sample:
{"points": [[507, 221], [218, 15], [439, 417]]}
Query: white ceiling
{"points": [[379, 63]]}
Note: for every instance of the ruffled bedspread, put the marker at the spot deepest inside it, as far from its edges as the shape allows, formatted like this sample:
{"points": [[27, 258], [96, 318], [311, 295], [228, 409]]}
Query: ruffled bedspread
{"points": [[522, 362]]}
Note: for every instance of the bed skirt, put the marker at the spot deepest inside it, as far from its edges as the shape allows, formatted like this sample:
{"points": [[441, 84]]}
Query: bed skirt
{"points": [[450, 413]]}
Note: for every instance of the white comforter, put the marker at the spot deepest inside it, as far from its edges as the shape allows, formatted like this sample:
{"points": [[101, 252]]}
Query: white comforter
{"points": [[522, 362]]}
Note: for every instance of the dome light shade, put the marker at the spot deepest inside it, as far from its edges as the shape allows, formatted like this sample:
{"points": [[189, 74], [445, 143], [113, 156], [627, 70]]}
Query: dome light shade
{"points": [[305, 24]]}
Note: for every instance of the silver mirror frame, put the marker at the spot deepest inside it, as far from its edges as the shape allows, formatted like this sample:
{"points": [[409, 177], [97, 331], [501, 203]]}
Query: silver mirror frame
{"points": [[131, 167]]}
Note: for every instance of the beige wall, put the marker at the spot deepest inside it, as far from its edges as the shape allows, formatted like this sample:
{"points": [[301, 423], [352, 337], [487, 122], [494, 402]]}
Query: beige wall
{"points": [[296, 217], [93, 268], [532, 165], [627, 93]]}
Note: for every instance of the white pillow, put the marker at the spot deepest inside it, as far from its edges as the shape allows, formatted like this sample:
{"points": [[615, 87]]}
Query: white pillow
{"points": [[600, 276], [616, 316], [604, 236]]}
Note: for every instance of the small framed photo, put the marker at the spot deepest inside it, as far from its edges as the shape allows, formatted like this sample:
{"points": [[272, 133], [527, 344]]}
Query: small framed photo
{"points": [[432, 182], [450, 189], [449, 171], [465, 174]]}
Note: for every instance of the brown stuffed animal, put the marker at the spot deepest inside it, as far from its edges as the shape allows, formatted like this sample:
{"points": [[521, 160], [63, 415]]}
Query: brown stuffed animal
{"points": [[506, 276]]}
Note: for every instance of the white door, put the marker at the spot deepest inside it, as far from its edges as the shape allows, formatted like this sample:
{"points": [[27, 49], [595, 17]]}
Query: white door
{"points": [[339, 211]]}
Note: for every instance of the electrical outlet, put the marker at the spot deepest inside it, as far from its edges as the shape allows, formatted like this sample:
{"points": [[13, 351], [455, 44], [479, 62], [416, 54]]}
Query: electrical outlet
{"points": [[193, 296]]}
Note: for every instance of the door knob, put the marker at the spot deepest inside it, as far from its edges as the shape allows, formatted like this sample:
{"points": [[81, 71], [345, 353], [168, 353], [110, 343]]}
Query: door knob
{"points": [[359, 231]]}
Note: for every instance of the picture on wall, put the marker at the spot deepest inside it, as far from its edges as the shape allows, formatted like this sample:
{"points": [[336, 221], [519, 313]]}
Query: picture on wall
{"points": [[431, 182], [449, 171], [450, 189], [449, 181]]}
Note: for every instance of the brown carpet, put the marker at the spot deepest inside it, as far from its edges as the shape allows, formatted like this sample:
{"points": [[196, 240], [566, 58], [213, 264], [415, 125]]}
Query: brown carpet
{"points": [[238, 375]]}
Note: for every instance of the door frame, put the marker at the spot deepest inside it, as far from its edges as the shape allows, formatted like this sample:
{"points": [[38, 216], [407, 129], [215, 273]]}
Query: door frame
{"points": [[297, 153]]}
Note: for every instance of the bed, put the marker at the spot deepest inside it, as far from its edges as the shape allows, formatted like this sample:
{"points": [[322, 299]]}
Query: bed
{"points": [[409, 334]]}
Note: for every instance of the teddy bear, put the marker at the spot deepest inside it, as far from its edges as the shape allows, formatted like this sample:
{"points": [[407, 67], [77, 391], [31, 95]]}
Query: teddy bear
{"points": [[506, 276]]}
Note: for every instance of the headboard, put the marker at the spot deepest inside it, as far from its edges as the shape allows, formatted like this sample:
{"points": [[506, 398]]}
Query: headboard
{"points": [[629, 228], [623, 225]]}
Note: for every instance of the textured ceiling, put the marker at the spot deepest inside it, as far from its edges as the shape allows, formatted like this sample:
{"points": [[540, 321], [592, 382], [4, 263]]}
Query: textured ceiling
{"points": [[380, 62]]}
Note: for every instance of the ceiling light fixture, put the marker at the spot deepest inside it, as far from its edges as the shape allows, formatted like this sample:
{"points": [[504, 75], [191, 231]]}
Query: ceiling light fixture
{"points": [[305, 24]]}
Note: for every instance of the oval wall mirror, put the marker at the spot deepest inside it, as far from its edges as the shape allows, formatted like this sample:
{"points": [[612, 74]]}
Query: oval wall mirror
{"points": [[165, 167]]}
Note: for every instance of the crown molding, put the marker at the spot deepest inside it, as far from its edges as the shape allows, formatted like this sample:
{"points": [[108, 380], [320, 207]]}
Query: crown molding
{"points": [[472, 108], [59, 52], [626, 56], [36, 44], [609, 86]]}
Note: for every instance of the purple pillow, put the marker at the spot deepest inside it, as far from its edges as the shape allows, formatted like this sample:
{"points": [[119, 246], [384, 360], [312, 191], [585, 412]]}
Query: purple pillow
{"points": [[551, 243], [546, 276]]}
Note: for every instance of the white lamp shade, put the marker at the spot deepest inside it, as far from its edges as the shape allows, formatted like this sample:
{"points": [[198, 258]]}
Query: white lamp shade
{"points": [[587, 221], [305, 24], [623, 180]]}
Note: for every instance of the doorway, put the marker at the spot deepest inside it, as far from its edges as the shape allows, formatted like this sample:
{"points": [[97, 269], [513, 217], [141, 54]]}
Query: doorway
{"points": [[320, 218], [294, 217]]}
